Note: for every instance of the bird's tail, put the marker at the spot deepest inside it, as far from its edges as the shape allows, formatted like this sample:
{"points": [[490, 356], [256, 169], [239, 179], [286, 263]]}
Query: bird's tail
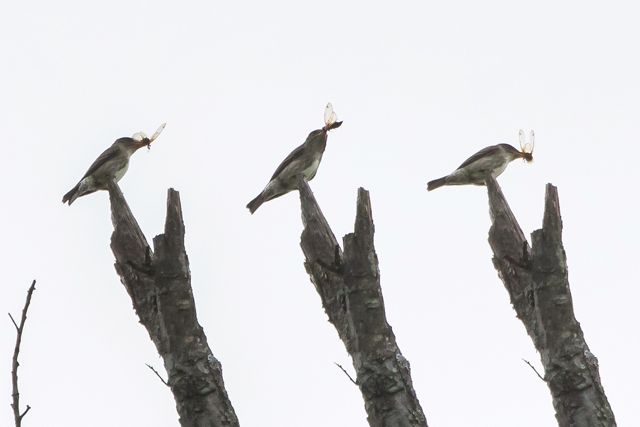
{"points": [[71, 195], [256, 203], [436, 183]]}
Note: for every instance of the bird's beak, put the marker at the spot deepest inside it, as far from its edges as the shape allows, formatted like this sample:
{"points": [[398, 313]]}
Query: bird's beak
{"points": [[333, 125], [147, 141], [143, 142]]}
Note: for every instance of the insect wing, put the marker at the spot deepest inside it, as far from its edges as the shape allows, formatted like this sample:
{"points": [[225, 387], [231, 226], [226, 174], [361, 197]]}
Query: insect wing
{"points": [[139, 136], [527, 147], [329, 115], [157, 133], [532, 140]]}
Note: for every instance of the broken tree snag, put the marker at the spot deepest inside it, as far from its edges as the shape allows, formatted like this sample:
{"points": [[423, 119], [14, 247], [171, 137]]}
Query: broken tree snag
{"points": [[160, 288], [15, 392], [349, 286], [537, 280]]}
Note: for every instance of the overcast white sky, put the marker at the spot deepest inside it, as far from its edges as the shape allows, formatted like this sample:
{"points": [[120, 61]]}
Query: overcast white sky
{"points": [[420, 87]]}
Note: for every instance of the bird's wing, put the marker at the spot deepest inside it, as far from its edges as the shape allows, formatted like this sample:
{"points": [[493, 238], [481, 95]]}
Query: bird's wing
{"points": [[484, 152], [106, 155], [294, 155]]}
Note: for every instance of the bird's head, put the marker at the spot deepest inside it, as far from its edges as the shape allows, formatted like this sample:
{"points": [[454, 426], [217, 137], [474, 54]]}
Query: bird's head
{"points": [[131, 144], [140, 139], [318, 135]]}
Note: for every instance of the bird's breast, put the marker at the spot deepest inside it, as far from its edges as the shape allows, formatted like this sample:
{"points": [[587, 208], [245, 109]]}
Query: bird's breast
{"points": [[310, 171], [119, 173]]}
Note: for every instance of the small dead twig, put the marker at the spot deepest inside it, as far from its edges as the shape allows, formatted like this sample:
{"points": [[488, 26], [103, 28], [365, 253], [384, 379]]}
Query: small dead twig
{"points": [[14, 322], [157, 374], [534, 369], [15, 405], [346, 373]]}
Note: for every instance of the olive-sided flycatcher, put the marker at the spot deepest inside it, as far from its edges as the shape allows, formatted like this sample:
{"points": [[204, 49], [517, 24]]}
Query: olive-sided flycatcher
{"points": [[303, 160], [111, 165], [491, 160]]}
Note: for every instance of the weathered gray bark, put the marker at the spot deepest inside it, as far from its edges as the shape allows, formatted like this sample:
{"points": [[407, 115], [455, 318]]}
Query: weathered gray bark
{"points": [[349, 287], [159, 285], [537, 281]]}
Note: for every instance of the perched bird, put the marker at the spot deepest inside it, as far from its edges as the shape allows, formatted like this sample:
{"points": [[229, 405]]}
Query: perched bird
{"points": [[303, 160], [111, 165], [491, 160]]}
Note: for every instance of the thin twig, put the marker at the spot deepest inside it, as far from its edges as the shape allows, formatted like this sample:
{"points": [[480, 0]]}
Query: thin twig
{"points": [[14, 322], [534, 369], [25, 411], [17, 416], [157, 374], [346, 373]]}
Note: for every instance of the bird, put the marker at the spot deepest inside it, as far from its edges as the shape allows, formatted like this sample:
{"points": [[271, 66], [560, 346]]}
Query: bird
{"points": [[304, 160], [111, 165], [492, 160]]}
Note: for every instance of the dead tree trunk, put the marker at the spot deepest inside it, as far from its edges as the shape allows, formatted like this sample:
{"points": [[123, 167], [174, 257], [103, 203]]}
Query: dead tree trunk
{"points": [[159, 285], [349, 287], [537, 281]]}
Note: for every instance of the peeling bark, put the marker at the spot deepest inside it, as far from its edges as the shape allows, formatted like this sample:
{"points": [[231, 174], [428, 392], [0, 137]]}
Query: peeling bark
{"points": [[537, 280], [159, 285], [349, 286]]}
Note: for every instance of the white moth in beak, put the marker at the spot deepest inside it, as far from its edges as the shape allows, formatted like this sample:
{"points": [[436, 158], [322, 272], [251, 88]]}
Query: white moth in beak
{"points": [[528, 146], [142, 137], [139, 136], [330, 116]]}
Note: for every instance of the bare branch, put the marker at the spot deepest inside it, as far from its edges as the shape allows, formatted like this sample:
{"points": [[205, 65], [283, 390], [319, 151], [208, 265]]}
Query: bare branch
{"points": [[157, 374], [15, 405], [537, 280], [25, 412], [346, 373], [534, 369], [14, 322]]}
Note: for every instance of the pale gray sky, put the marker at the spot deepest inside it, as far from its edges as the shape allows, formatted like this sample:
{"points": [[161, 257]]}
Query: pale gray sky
{"points": [[420, 87]]}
